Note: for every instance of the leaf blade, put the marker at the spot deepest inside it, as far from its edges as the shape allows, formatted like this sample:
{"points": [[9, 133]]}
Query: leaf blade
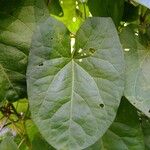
{"points": [[137, 71], [63, 88], [120, 134], [17, 21], [113, 9]]}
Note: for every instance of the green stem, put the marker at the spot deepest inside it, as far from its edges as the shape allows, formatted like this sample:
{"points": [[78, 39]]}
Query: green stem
{"points": [[26, 113], [14, 110], [21, 143], [48, 1], [84, 8], [72, 46], [26, 137], [3, 123]]}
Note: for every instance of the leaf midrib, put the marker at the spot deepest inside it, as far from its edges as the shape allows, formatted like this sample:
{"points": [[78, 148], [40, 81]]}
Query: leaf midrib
{"points": [[72, 92]]}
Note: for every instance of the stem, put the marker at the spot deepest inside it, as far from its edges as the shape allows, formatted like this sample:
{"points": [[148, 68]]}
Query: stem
{"points": [[7, 124], [2, 117], [21, 143], [84, 7], [48, 1], [3, 123], [27, 140], [17, 104], [72, 44], [26, 113], [146, 13], [14, 110]]}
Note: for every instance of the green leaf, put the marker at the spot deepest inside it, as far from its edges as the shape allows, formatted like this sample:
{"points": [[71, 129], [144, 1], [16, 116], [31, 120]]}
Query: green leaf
{"points": [[8, 144], [109, 8], [137, 84], [36, 140], [146, 3], [74, 96], [131, 12], [70, 16], [39, 143], [97, 146], [146, 132], [31, 130], [31, 138], [21, 105], [55, 7], [17, 21], [125, 133]]}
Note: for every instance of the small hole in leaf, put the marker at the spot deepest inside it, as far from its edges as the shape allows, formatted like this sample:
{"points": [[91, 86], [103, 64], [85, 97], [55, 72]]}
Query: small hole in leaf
{"points": [[149, 111], [41, 64], [101, 105], [51, 38], [84, 54], [80, 60], [92, 50], [80, 50]]}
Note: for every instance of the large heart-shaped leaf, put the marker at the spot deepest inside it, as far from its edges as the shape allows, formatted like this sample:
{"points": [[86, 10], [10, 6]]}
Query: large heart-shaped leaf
{"points": [[125, 133], [137, 84], [17, 21], [74, 96]]}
